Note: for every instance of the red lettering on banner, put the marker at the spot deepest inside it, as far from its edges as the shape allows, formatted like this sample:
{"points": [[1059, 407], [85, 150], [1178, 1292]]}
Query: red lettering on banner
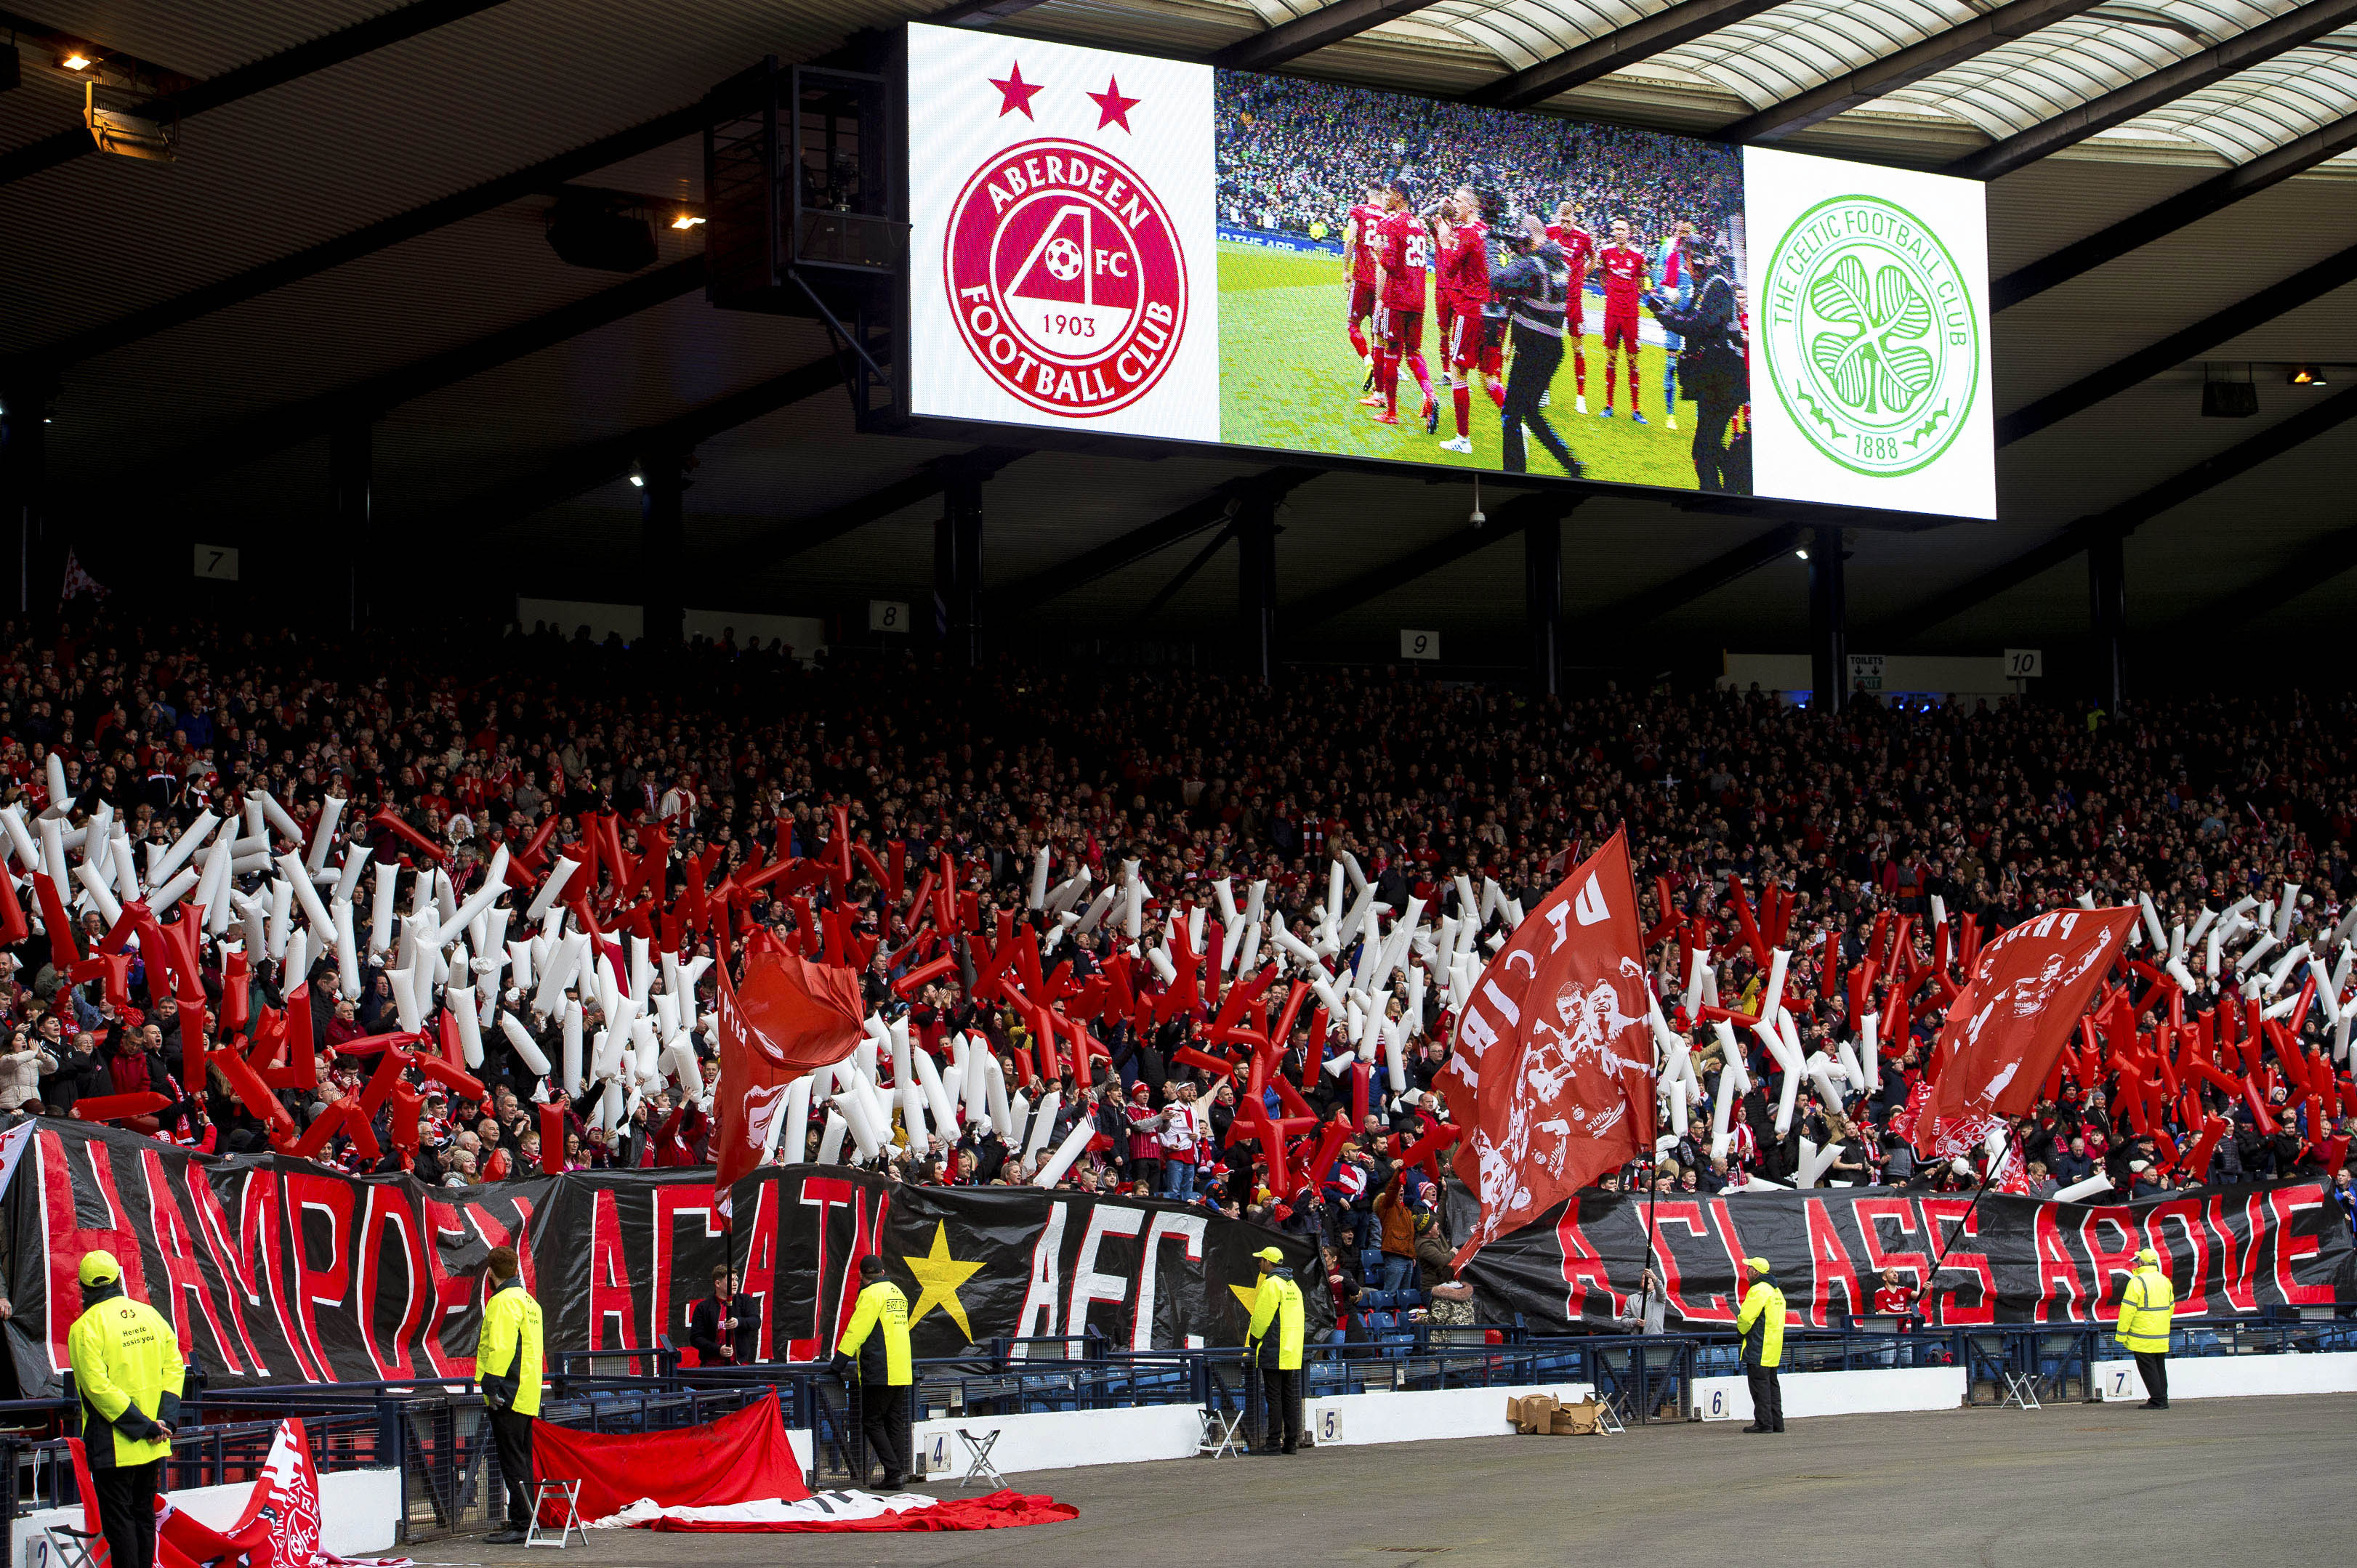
{"points": [[388, 1208], [69, 1239], [825, 1194], [1939, 1211], [1583, 1268], [757, 1280], [610, 1291], [447, 1293], [169, 1225], [2194, 1301], [2289, 1247], [2110, 1260], [670, 1203], [1829, 1264], [1697, 1221], [258, 1230], [2058, 1271], [1903, 1213], [237, 1276], [332, 1198], [2236, 1251]]}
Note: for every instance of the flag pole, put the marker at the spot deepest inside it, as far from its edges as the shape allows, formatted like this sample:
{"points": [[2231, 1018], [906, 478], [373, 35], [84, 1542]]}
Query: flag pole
{"points": [[1932, 1279]]}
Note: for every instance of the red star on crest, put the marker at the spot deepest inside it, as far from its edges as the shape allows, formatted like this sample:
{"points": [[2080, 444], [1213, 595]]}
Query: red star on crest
{"points": [[1016, 92], [1113, 109]]}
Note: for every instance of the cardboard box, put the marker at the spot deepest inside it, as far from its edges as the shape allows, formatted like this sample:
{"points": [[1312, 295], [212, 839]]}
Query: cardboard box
{"points": [[1575, 1420], [1532, 1412]]}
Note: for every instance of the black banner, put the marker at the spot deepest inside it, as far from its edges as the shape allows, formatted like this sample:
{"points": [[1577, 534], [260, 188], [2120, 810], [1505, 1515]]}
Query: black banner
{"points": [[277, 1271], [981, 1263], [2231, 1252]]}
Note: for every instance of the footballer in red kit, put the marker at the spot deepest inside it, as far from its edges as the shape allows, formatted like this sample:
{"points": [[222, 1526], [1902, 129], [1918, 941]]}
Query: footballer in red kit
{"points": [[1359, 252], [1578, 248], [1464, 294], [1401, 262], [1624, 269]]}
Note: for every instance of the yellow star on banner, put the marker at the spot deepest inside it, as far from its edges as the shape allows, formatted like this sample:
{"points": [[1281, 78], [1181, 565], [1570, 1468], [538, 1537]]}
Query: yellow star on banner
{"points": [[940, 1276], [1249, 1295]]}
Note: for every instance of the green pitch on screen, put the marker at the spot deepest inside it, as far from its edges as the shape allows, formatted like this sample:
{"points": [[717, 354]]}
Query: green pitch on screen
{"points": [[1288, 379]]}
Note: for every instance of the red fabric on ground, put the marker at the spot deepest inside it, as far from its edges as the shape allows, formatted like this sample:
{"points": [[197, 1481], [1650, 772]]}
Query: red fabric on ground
{"points": [[735, 1459], [1000, 1510]]}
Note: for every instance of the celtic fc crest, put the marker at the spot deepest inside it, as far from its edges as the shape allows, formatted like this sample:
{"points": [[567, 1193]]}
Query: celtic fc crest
{"points": [[1868, 335]]}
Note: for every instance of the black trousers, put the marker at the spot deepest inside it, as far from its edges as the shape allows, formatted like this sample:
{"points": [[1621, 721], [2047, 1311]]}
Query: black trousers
{"points": [[2153, 1365], [126, 1510], [1767, 1397], [1714, 410], [884, 1425], [1281, 1397], [1537, 357], [511, 1434]]}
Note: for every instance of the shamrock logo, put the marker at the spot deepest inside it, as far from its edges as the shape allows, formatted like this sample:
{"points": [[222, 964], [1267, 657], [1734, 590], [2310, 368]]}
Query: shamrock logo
{"points": [[1869, 335], [1872, 353]]}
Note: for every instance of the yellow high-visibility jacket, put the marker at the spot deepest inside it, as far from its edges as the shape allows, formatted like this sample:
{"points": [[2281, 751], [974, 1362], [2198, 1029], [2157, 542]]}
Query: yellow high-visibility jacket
{"points": [[882, 1310], [506, 1352], [1761, 1324], [2145, 1306], [128, 1371], [1278, 1302]]}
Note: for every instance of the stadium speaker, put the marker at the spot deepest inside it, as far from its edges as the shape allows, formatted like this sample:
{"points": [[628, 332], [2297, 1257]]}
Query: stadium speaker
{"points": [[594, 231], [11, 68], [2229, 400]]}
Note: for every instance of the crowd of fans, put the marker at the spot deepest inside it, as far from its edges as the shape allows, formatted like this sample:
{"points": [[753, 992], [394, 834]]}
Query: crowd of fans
{"points": [[1295, 156], [745, 752]]}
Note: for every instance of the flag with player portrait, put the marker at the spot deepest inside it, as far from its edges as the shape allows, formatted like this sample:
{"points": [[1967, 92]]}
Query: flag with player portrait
{"points": [[1552, 1074], [2005, 1026]]}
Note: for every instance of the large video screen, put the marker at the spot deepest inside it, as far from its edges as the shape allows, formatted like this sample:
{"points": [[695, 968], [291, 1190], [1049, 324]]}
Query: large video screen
{"points": [[1113, 243]]}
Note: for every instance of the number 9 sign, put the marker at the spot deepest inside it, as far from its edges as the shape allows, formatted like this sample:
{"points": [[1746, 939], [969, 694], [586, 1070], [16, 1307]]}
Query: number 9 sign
{"points": [[1419, 644]]}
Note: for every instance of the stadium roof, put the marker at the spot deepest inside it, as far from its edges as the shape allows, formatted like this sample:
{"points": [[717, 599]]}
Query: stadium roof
{"points": [[353, 235]]}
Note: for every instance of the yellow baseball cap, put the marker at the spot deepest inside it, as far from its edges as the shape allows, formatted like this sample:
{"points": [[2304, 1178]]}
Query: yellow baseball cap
{"points": [[1761, 1264], [1269, 1255], [98, 1268], [2148, 1256]]}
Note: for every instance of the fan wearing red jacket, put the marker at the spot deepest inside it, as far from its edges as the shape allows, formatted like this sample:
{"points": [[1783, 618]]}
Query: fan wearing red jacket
{"points": [[1464, 293], [1401, 264], [1625, 272], [1359, 243], [1578, 248]]}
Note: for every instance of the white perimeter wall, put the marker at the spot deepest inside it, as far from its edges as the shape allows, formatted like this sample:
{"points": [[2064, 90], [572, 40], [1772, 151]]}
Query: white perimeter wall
{"points": [[806, 635], [1838, 1393], [1961, 679], [2226, 1377], [1060, 1440], [1412, 1415]]}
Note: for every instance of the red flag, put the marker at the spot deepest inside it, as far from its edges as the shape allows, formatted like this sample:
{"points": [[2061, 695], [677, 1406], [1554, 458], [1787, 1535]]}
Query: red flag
{"points": [[787, 1018], [2009, 1022], [800, 1014], [1553, 1075]]}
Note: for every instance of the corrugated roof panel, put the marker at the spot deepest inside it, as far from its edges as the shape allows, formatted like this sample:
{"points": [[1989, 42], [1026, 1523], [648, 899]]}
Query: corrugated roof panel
{"points": [[2056, 68], [376, 136], [207, 40], [2277, 101], [1793, 48]]}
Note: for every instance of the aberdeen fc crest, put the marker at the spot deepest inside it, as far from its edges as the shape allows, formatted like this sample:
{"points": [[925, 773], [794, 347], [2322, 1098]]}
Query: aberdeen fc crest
{"points": [[1066, 278]]}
